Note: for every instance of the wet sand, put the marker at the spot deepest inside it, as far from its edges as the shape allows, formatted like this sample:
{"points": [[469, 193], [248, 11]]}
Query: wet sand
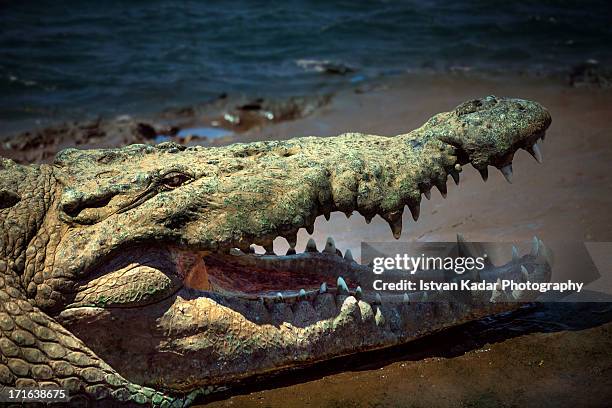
{"points": [[564, 369]]}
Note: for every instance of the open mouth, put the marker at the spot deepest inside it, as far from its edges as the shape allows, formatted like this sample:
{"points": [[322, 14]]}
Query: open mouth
{"points": [[234, 271], [267, 277], [296, 277], [282, 277]]}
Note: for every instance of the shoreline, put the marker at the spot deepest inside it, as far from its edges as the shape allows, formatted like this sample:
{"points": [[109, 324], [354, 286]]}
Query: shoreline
{"points": [[211, 121], [341, 77], [228, 119]]}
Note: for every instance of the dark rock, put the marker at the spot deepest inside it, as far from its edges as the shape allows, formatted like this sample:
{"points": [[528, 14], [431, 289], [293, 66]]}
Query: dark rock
{"points": [[145, 130], [590, 73]]}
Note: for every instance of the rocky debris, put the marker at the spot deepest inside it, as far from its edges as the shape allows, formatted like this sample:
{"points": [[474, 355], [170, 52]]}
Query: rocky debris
{"points": [[41, 145], [590, 73], [259, 112], [325, 66], [240, 114], [234, 115]]}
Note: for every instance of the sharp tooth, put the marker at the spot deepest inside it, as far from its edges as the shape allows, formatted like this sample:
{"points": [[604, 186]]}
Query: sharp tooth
{"points": [[525, 273], [348, 255], [330, 246], [515, 254], [292, 240], [394, 219], [428, 194], [536, 152], [406, 298], [546, 253], [496, 294], [377, 299], [311, 246], [279, 297], [358, 293], [342, 287], [442, 188], [323, 288], [379, 317], [507, 172], [535, 248], [484, 173], [463, 249], [302, 294], [415, 210], [455, 176]]}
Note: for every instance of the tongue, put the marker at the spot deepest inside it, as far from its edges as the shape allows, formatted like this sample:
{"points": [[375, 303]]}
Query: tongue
{"points": [[190, 266]]}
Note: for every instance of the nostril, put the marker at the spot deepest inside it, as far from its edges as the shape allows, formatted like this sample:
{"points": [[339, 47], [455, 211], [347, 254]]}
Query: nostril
{"points": [[76, 205]]}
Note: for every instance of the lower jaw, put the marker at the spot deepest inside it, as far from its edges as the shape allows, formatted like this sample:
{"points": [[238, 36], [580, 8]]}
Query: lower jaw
{"points": [[274, 343], [216, 338], [210, 339]]}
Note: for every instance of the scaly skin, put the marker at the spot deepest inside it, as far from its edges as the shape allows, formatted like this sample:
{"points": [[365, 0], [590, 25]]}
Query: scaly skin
{"points": [[117, 281]]}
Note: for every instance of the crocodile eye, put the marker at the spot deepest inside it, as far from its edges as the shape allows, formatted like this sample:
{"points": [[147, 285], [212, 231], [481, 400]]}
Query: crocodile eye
{"points": [[175, 179]]}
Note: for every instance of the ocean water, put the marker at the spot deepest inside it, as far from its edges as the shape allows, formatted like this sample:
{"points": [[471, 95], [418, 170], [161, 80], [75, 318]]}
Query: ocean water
{"points": [[67, 60]]}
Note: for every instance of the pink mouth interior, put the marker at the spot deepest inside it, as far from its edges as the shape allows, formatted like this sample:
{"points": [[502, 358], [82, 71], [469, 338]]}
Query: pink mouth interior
{"points": [[232, 274]]}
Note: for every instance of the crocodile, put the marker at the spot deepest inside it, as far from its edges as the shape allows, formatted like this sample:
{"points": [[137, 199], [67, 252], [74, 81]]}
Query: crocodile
{"points": [[128, 275]]}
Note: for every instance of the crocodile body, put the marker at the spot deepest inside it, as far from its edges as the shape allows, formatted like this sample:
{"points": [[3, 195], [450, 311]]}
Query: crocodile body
{"points": [[126, 275]]}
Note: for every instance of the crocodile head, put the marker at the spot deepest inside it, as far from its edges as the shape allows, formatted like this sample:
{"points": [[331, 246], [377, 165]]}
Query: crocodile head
{"points": [[148, 256]]}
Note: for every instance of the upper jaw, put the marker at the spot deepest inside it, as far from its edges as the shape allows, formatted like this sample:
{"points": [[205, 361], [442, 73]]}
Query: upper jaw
{"points": [[312, 177], [489, 131]]}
